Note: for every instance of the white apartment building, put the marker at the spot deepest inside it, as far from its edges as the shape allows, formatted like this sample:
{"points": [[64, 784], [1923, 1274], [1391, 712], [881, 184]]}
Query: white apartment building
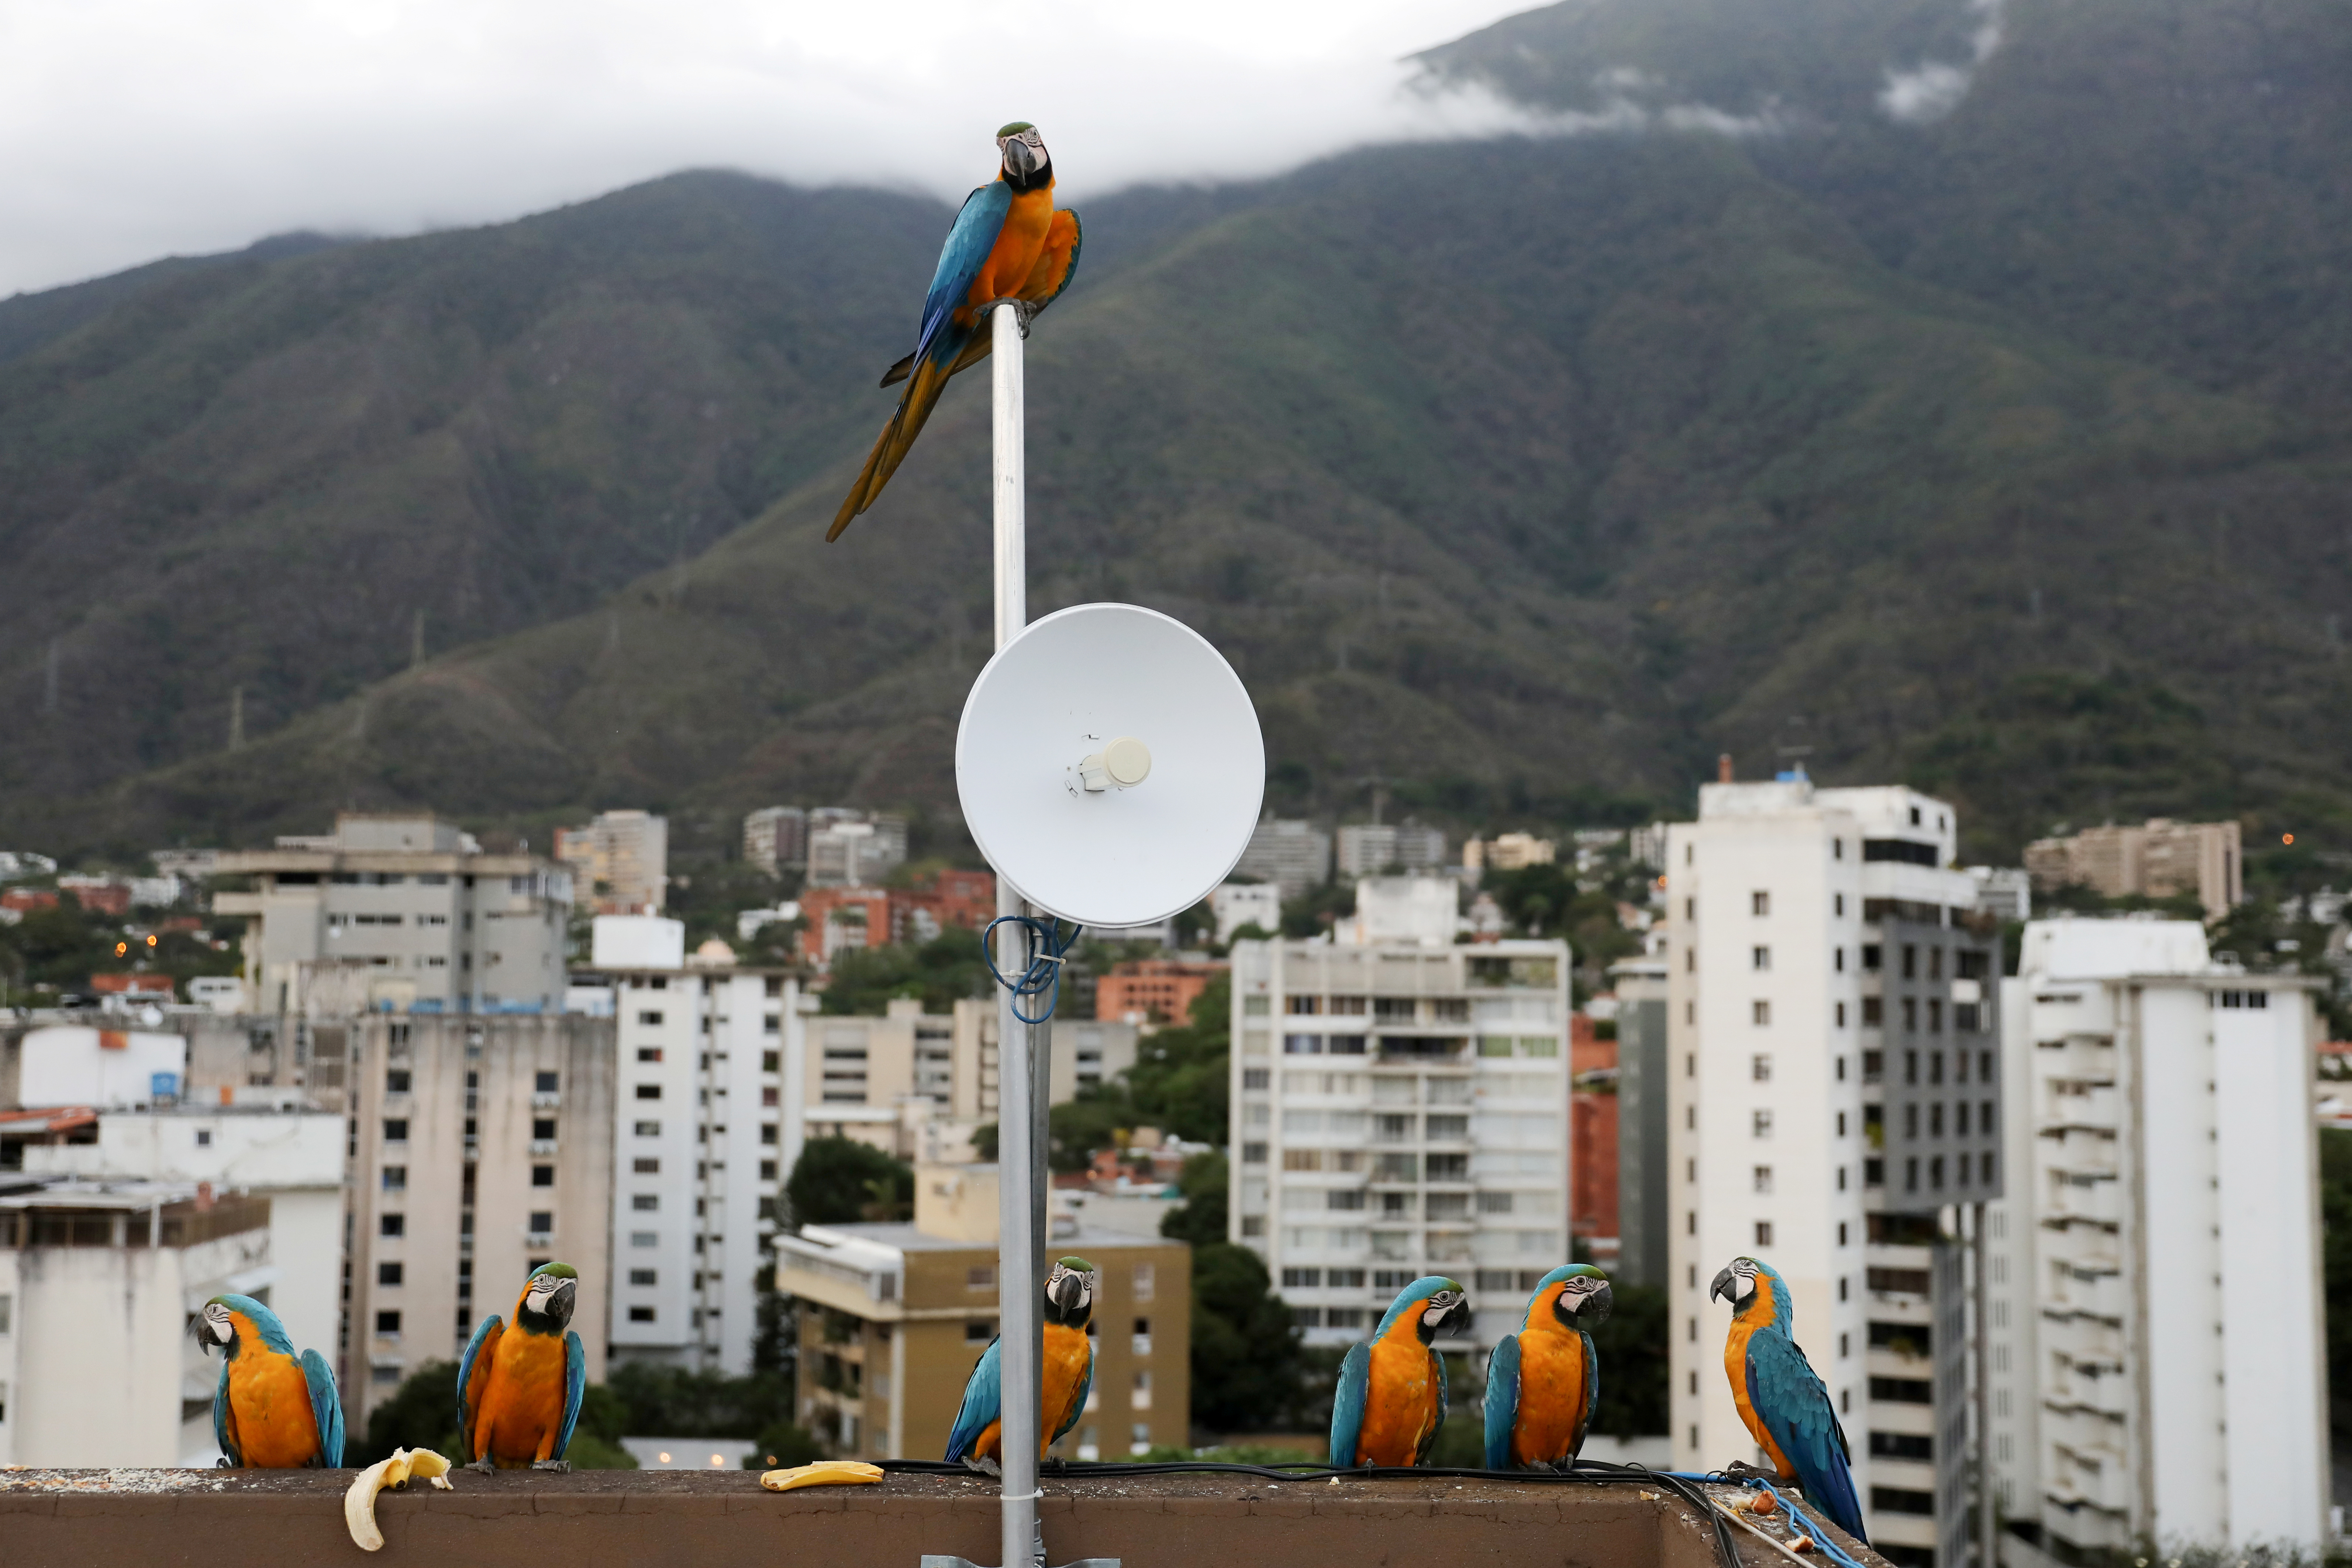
{"points": [[286, 1153], [1239, 903], [480, 1148], [775, 838], [1368, 848], [1833, 1091], [909, 1078], [2158, 1357], [848, 851], [1294, 855], [401, 911], [1400, 1109], [96, 1283]]}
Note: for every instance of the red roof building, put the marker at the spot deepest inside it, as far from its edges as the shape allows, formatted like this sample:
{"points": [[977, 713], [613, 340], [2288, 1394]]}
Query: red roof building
{"points": [[1158, 988]]}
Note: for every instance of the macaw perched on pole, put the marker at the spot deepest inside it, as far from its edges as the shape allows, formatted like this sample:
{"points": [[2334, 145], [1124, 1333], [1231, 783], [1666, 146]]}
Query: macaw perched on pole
{"points": [[978, 1437], [1543, 1381], [1391, 1396], [271, 1411], [519, 1388], [1782, 1399], [1008, 243]]}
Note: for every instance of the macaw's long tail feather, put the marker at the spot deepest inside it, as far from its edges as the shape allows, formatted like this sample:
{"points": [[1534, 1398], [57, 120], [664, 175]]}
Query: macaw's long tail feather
{"points": [[890, 449], [1830, 1487], [899, 372]]}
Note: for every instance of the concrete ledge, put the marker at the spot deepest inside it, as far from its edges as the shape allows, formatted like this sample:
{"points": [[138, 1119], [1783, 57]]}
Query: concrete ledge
{"points": [[619, 1518]]}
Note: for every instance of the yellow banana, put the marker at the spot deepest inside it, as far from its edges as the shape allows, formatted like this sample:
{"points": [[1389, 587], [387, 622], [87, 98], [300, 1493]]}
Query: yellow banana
{"points": [[405, 1463], [824, 1473]]}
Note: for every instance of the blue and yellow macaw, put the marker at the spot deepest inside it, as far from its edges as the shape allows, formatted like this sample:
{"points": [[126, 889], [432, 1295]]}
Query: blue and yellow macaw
{"points": [[1391, 1396], [1781, 1396], [1008, 243], [518, 1389], [272, 1411], [1543, 1381], [978, 1437]]}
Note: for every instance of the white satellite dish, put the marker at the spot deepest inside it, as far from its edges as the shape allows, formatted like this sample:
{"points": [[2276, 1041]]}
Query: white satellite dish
{"points": [[1110, 765]]}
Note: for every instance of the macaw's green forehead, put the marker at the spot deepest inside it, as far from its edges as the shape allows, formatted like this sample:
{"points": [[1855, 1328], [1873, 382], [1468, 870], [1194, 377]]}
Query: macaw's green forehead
{"points": [[1075, 1265], [556, 1271], [1016, 129]]}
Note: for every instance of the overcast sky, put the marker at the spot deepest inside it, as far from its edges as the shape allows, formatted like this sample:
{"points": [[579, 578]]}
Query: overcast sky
{"points": [[134, 129]]}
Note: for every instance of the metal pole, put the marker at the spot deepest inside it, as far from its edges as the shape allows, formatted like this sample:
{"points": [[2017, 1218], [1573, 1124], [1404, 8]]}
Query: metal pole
{"points": [[1018, 1286]]}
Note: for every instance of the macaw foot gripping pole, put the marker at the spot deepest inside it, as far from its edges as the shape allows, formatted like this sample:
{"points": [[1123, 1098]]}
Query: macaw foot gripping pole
{"points": [[1023, 1047]]}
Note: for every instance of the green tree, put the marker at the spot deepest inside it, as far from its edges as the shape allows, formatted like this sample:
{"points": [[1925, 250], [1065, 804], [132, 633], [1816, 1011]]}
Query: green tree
{"points": [[1200, 1219], [1179, 1083], [1245, 1352], [941, 972], [421, 1414], [839, 1180], [1631, 1350]]}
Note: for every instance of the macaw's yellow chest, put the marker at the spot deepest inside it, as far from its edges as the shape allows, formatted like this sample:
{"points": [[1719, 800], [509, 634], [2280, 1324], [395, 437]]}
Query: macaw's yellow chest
{"points": [[1018, 245], [1553, 1375], [1400, 1401], [1069, 1357], [523, 1409], [270, 1421]]}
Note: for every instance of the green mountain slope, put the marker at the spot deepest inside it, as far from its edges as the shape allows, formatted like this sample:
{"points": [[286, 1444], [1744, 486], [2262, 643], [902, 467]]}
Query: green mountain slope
{"points": [[1524, 474]]}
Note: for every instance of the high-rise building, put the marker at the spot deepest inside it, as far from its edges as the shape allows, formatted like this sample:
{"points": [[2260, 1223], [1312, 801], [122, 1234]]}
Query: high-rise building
{"points": [[480, 1148], [1293, 855], [846, 851], [1833, 1053], [96, 1281], [706, 1124], [401, 911], [1642, 1109], [1400, 1109], [1239, 903], [775, 839], [2158, 1357], [2159, 859], [1368, 848], [619, 862]]}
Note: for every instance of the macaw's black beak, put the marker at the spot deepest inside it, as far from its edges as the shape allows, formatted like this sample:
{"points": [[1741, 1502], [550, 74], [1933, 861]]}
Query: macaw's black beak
{"points": [[1067, 1293], [1725, 1284], [1457, 1319], [1597, 1308], [1020, 160]]}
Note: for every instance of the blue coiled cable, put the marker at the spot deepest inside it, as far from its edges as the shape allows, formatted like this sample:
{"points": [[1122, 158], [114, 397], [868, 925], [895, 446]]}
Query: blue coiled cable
{"points": [[1042, 975]]}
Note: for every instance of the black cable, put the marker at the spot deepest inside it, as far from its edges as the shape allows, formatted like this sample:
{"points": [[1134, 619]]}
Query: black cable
{"points": [[1587, 1471]]}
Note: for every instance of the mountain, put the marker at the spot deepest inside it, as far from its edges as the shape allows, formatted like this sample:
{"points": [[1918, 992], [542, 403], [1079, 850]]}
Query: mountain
{"points": [[1735, 412]]}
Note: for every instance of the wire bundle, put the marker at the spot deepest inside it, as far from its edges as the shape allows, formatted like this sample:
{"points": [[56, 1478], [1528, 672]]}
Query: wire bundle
{"points": [[1041, 974]]}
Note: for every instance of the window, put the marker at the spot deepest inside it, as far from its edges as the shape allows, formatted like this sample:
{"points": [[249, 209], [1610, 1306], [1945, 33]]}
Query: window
{"points": [[645, 1202], [1763, 1233], [1760, 902], [978, 1330], [1760, 1067], [1763, 1177], [542, 1222], [387, 1324], [981, 1277], [542, 1129], [544, 1083], [1902, 1390], [649, 1090], [1934, 1015], [396, 1081], [1759, 957], [647, 1165], [645, 1238], [1841, 1023], [1253, 1154], [767, 1131], [1494, 1203], [1760, 1123], [1910, 961], [542, 1176], [1871, 957], [1874, 1011], [1837, 903], [387, 1273], [649, 1053], [1254, 1077], [396, 1129], [1142, 1283], [641, 1314], [395, 1178], [648, 1129], [393, 1225], [649, 1019], [1761, 1011], [641, 1276], [1902, 1446]]}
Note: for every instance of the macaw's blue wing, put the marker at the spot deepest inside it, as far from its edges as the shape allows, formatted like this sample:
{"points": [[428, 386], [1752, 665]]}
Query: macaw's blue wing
{"points": [[473, 1376], [1429, 1439], [1078, 1405], [1348, 1405], [1795, 1409], [221, 1433], [977, 225], [1502, 1401], [576, 1389], [983, 1401], [1592, 1395], [326, 1408]]}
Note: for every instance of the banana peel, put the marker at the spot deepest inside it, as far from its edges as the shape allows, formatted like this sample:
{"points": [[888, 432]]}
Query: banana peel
{"points": [[824, 1473], [405, 1464]]}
